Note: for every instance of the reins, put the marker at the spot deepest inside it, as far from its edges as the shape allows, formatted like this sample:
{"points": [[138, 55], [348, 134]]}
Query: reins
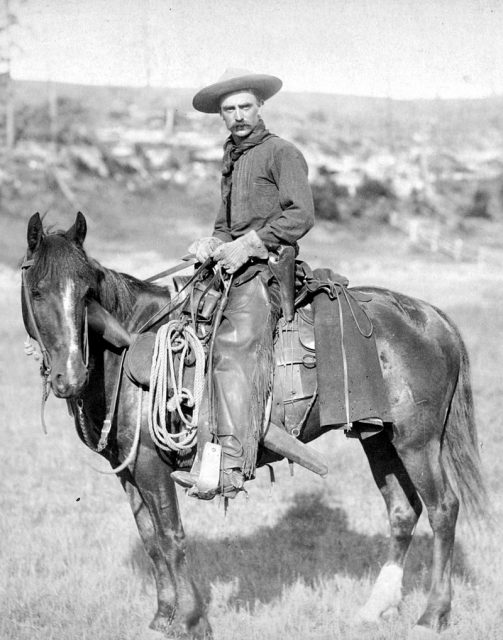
{"points": [[172, 305]]}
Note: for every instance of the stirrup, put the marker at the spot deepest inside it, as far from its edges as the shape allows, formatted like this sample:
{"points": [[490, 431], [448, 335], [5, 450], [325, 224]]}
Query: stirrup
{"points": [[206, 480], [203, 480]]}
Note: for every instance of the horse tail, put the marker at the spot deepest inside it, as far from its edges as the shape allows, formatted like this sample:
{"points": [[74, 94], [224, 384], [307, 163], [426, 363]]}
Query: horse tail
{"points": [[460, 448]]}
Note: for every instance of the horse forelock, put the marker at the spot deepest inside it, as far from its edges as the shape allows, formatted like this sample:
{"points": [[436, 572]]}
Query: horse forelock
{"points": [[57, 256], [58, 259]]}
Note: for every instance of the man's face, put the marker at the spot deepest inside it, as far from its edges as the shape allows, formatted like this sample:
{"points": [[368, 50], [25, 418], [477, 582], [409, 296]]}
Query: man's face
{"points": [[240, 112]]}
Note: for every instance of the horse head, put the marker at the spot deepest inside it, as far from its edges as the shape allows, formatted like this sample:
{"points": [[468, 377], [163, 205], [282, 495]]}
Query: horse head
{"points": [[57, 281]]}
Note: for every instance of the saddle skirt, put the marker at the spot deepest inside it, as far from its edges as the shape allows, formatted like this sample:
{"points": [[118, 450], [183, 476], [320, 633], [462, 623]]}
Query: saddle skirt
{"points": [[316, 370]]}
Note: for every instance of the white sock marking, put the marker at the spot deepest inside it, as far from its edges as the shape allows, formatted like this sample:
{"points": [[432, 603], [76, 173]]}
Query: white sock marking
{"points": [[386, 593]]}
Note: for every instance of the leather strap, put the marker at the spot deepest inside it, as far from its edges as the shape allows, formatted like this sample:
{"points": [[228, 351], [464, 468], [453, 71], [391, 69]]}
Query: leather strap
{"points": [[173, 304], [188, 261], [46, 359]]}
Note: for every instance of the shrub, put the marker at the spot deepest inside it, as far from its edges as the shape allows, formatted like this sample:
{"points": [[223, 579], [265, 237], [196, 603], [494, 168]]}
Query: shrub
{"points": [[479, 207], [372, 189], [325, 196]]}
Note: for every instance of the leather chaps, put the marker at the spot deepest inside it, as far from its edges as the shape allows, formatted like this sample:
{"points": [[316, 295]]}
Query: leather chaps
{"points": [[242, 369]]}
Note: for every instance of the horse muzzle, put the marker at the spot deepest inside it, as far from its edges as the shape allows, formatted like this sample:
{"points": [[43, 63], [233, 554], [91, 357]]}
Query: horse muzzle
{"points": [[68, 384]]}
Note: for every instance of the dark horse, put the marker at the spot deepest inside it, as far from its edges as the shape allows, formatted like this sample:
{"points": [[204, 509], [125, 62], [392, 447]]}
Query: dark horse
{"points": [[429, 455]]}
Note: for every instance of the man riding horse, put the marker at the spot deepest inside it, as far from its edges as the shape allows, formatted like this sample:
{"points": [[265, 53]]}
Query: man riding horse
{"points": [[266, 205]]}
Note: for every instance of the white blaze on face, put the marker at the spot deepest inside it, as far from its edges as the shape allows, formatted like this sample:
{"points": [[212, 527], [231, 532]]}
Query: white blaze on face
{"points": [[69, 321]]}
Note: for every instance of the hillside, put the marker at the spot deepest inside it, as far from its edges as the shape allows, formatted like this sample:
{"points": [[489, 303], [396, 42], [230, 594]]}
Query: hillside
{"points": [[462, 119], [127, 153]]}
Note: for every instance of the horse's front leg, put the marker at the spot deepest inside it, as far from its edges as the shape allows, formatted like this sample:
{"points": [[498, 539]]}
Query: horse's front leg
{"points": [[404, 508], [153, 497], [166, 596]]}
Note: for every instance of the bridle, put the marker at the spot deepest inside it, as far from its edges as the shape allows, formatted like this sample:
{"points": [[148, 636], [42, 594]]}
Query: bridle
{"points": [[45, 366]]}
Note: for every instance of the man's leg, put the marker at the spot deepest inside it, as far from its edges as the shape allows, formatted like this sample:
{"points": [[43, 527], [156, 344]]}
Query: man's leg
{"points": [[242, 365]]}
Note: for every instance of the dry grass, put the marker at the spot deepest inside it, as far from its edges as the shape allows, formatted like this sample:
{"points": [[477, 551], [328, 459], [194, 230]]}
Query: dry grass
{"points": [[297, 562]]}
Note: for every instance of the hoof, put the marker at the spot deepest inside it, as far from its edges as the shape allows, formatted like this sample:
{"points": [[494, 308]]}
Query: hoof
{"points": [[176, 630], [371, 615], [423, 633], [162, 624], [201, 631], [391, 612], [365, 616]]}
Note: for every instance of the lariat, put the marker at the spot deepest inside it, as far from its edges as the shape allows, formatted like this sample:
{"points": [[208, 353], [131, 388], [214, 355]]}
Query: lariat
{"points": [[175, 337]]}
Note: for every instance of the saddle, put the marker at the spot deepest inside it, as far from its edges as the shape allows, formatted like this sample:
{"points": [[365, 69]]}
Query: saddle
{"points": [[319, 366], [325, 354]]}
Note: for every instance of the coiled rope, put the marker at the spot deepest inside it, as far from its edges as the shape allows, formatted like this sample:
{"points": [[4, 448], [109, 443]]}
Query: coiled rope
{"points": [[173, 338]]}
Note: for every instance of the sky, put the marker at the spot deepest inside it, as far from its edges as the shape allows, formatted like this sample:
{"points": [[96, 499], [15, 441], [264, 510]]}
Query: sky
{"points": [[396, 48]]}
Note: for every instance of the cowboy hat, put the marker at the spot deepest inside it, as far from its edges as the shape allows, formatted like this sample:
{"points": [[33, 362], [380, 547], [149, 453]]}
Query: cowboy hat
{"points": [[208, 99]]}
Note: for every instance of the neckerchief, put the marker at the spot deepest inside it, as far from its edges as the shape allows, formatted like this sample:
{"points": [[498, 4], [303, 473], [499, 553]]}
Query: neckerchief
{"points": [[232, 152]]}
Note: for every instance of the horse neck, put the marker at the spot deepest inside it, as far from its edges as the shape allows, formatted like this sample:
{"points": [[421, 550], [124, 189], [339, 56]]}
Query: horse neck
{"points": [[128, 299], [132, 302]]}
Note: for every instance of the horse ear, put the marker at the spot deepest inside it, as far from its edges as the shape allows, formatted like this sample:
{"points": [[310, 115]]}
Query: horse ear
{"points": [[78, 231], [35, 233]]}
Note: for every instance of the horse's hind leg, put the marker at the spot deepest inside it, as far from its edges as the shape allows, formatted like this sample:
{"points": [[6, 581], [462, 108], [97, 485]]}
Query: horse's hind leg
{"points": [[404, 508], [425, 468]]}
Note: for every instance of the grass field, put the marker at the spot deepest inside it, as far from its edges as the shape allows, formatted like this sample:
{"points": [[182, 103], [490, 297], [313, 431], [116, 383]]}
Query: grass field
{"points": [[293, 562]]}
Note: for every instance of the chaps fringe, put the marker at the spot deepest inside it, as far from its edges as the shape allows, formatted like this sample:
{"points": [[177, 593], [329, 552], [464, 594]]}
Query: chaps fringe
{"points": [[261, 387]]}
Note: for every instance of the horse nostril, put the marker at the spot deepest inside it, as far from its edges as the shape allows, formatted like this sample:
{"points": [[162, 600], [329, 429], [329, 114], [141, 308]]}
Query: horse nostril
{"points": [[59, 381]]}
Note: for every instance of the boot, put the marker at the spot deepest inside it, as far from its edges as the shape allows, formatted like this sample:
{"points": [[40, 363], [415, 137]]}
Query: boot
{"points": [[217, 471], [231, 483]]}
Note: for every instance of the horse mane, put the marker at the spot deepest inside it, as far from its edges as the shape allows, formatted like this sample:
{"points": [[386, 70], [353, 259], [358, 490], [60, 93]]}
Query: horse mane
{"points": [[116, 292]]}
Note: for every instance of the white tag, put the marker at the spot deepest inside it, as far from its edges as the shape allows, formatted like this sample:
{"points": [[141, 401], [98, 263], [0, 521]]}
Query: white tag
{"points": [[209, 476]]}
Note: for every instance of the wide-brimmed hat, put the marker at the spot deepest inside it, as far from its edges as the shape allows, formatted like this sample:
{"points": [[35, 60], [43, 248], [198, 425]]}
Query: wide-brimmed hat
{"points": [[208, 99]]}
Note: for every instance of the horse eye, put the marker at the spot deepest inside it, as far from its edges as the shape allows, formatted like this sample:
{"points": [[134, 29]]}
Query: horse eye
{"points": [[35, 293]]}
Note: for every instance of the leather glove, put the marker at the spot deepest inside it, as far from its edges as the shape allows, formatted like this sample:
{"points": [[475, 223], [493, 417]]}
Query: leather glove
{"points": [[231, 256], [204, 247]]}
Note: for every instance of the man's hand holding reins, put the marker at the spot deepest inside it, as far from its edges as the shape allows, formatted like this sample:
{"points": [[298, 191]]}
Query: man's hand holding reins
{"points": [[231, 256], [204, 247]]}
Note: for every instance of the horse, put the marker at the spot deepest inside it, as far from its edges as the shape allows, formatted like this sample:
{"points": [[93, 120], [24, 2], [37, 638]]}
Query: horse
{"points": [[428, 455]]}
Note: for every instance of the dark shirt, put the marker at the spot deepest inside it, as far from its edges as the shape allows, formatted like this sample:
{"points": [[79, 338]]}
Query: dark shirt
{"points": [[270, 194]]}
